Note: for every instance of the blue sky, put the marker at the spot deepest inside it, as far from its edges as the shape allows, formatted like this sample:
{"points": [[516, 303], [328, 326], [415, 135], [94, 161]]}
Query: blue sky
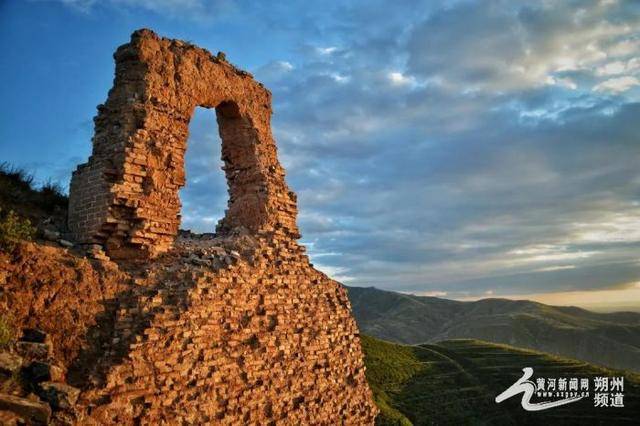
{"points": [[457, 148]]}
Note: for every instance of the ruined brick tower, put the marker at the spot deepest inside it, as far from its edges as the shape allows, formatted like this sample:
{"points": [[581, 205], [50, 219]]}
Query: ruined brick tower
{"points": [[254, 335], [126, 196]]}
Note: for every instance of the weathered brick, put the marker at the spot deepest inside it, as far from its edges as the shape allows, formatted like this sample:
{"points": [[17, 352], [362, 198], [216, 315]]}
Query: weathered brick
{"points": [[236, 338]]}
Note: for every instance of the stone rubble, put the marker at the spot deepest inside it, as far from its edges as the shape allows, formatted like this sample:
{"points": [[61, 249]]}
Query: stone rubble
{"points": [[65, 243], [50, 235], [32, 387], [60, 396], [25, 409], [10, 364]]}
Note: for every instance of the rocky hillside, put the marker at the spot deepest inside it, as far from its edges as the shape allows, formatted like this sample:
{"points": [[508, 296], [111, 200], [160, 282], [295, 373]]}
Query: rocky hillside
{"points": [[455, 383], [605, 339]]}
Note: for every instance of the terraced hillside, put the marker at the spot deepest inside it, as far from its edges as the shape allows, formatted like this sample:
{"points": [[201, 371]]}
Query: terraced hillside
{"points": [[611, 340], [455, 383]]}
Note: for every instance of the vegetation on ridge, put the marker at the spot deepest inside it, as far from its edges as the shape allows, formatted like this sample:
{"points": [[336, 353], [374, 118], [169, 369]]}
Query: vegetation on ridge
{"points": [[18, 192], [455, 383], [611, 340], [23, 206]]}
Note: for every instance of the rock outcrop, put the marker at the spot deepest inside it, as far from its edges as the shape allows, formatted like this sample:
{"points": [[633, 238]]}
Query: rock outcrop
{"points": [[231, 328]]}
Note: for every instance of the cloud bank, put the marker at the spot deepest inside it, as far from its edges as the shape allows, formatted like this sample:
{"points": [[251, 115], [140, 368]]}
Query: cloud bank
{"points": [[463, 148]]}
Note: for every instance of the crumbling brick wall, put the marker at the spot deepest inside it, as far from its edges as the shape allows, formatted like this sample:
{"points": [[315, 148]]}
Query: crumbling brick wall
{"points": [[255, 342], [237, 330], [126, 196]]}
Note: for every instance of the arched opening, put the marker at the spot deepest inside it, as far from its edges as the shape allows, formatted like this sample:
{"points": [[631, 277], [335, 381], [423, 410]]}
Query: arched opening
{"points": [[204, 196]]}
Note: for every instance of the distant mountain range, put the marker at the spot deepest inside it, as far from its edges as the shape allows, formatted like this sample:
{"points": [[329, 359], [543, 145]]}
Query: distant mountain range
{"points": [[611, 340], [455, 382]]}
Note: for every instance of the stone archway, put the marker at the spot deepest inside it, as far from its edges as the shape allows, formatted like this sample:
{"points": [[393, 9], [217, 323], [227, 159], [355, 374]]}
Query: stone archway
{"points": [[126, 196]]}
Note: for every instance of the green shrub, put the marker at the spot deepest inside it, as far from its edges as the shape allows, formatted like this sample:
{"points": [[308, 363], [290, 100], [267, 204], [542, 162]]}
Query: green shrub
{"points": [[13, 229], [6, 332]]}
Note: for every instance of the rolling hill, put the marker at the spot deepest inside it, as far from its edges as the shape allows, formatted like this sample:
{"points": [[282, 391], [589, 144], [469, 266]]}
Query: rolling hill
{"points": [[455, 383], [611, 340]]}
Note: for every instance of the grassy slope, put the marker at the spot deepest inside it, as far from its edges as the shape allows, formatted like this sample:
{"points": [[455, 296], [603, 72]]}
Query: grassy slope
{"points": [[455, 383], [604, 339]]}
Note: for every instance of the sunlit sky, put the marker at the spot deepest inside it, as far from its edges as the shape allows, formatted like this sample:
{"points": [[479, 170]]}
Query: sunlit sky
{"points": [[464, 149]]}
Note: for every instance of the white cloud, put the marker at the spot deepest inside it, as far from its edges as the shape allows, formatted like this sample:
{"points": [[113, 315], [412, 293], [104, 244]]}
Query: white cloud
{"points": [[547, 253], [285, 66], [562, 81], [335, 272], [196, 10], [555, 268], [617, 85], [326, 50], [507, 47], [616, 67], [624, 47], [84, 6], [274, 70], [399, 79], [340, 78], [613, 228], [434, 293]]}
